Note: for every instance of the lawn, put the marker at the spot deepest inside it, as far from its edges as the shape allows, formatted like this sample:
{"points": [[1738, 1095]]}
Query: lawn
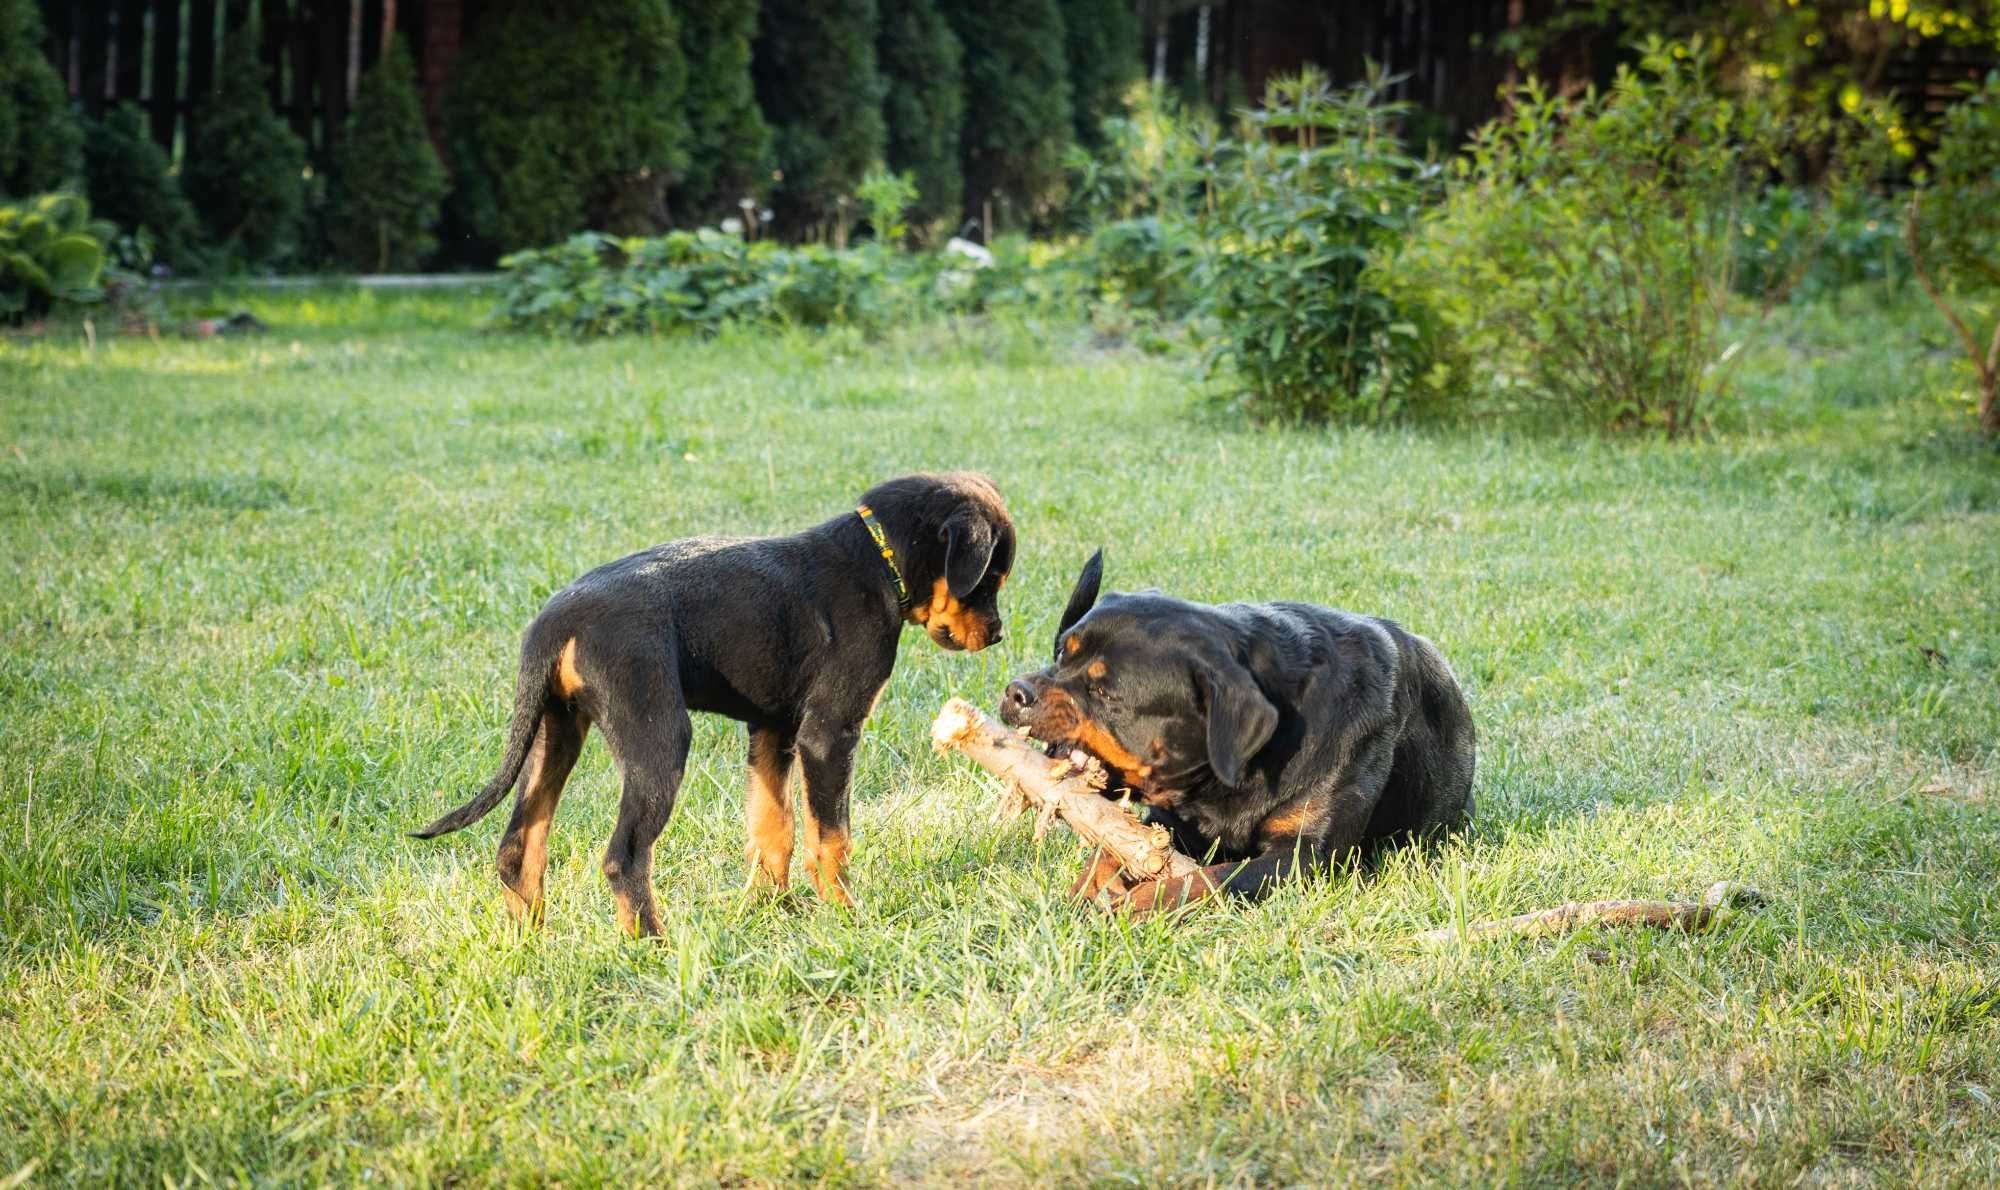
{"points": [[264, 601]]}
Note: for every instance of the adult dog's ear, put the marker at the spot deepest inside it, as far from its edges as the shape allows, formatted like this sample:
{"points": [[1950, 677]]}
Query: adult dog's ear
{"points": [[1240, 718], [1084, 596], [968, 550]]}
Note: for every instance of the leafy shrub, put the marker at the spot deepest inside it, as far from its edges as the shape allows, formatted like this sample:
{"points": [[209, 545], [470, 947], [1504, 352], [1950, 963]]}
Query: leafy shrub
{"points": [[1143, 263], [1585, 253], [817, 82], [888, 198], [387, 177], [923, 105], [690, 282], [39, 139], [729, 144], [1304, 325], [566, 116], [51, 252], [131, 184], [1017, 115], [1953, 231], [245, 169], [1152, 160], [1819, 243], [1101, 43]]}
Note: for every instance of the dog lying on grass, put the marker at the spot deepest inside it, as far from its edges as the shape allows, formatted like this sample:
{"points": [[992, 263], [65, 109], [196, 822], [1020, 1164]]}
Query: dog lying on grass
{"points": [[1269, 738], [793, 636]]}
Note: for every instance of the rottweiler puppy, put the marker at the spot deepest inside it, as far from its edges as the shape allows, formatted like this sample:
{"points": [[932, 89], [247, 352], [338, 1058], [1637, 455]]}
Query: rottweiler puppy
{"points": [[793, 636], [1269, 738]]}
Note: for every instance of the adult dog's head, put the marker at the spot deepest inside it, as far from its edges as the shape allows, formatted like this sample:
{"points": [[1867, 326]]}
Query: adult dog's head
{"points": [[1147, 683], [954, 547]]}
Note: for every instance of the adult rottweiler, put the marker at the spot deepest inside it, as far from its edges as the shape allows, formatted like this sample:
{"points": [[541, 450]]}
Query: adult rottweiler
{"points": [[793, 636], [1267, 737]]}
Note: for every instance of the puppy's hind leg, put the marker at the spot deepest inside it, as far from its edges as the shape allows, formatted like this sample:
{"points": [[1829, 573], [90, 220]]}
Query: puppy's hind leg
{"points": [[524, 848], [649, 734]]}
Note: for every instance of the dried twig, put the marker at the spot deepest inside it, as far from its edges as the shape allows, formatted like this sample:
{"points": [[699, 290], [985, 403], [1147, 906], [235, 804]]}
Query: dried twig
{"points": [[1689, 916]]}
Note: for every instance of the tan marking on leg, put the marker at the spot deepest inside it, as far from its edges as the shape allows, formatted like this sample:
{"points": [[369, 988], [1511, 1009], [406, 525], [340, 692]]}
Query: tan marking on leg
{"points": [[568, 680], [827, 852], [628, 915], [1103, 873], [547, 772], [769, 812], [1286, 822]]}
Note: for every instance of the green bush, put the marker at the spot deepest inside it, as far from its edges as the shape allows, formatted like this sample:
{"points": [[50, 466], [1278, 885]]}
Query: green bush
{"points": [[694, 282], [817, 82], [1585, 254], [1819, 243], [887, 197], [567, 116], [1017, 106], [131, 184], [388, 182], [729, 145], [1304, 329], [1953, 230], [1145, 263], [245, 171], [51, 252], [39, 140], [1155, 159], [1101, 43], [923, 106]]}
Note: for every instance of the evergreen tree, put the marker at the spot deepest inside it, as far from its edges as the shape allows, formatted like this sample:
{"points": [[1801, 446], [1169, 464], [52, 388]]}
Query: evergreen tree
{"points": [[568, 115], [387, 178], [245, 170], [817, 84], [729, 145], [131, 183], [1016, 101], [1101, 38], [39, 139], [923, 71]]}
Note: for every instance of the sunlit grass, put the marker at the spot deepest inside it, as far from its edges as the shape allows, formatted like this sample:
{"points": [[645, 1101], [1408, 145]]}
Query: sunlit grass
{"points": [[264, 606]]}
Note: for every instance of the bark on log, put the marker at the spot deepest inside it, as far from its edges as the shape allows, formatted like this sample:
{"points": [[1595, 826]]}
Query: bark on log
{"points": [[1066, 791], [1689, 916]]}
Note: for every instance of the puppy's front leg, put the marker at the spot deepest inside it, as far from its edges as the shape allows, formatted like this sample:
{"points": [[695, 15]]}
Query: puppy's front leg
{"points": [[826, 760]]}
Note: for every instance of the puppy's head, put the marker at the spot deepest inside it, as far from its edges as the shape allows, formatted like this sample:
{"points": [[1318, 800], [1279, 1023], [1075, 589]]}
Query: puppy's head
{"points": [[956, 546], [1149, 685]]}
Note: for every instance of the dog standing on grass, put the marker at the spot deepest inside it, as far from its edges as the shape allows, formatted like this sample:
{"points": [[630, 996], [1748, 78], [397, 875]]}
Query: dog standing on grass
{"points": [[793, 636]]}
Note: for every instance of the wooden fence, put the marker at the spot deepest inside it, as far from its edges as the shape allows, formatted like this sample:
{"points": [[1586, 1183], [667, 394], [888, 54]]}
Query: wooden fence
{"points": [[163, 54]]}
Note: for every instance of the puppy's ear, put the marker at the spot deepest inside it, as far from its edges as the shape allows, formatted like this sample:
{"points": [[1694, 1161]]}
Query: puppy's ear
{"points": [[968, 549], [1084, 596], [1240, 718]]}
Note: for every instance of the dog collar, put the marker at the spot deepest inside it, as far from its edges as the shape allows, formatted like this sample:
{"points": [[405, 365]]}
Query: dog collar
{"points": [[867, 516]]}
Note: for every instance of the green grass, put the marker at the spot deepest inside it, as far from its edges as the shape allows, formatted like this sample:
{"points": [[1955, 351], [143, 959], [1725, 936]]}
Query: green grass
{"points": [[263, 604]]}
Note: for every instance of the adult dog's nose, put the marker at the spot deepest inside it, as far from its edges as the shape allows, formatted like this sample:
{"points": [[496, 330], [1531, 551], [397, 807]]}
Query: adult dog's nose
{"points": [[1019, 695]]}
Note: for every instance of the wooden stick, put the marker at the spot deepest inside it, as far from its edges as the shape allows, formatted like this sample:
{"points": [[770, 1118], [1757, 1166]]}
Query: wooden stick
{"points": [[1066, 791], [1690, 916]]}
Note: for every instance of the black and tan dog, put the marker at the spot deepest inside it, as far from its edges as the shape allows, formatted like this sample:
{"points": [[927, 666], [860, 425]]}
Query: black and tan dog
{"points": [[1268, 737], [794, 636]]}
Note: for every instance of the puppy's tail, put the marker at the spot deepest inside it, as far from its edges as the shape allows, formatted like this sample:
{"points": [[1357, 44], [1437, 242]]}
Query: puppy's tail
{"points": [[531, 693]]}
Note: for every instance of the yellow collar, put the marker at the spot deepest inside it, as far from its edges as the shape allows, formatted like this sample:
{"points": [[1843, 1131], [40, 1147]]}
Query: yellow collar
{"points": [[867, 516]]}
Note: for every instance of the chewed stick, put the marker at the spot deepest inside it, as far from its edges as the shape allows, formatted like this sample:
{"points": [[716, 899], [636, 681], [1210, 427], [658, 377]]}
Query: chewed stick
{"points": [[1066, 791], [1689, 916]]}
